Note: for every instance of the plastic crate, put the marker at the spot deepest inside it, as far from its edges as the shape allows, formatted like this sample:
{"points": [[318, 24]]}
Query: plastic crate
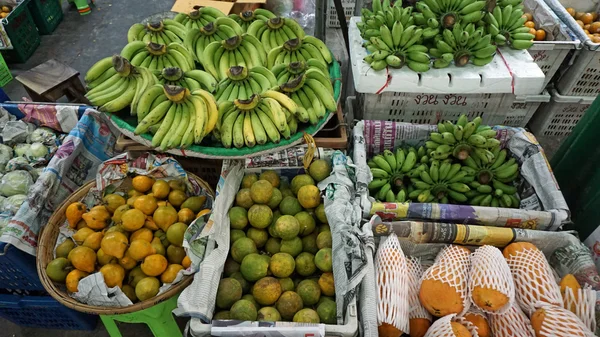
{"points": [[583, 77], [558, 117], [5, 75], [22, 32], [426, 108], [18, 273], [43, 312], [332, 17], [47, 14], [517, 110]]}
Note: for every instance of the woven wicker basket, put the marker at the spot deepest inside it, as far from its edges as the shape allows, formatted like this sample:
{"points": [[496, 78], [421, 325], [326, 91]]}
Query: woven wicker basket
{"points": [[45, 254]]}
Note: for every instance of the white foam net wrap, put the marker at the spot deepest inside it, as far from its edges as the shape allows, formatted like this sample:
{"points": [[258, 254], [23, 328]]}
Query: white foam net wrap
{"points": [[533, 279], [582, 303], [442, 327], [512, 323], [391, 274], [415, 271], [489, 270], [560, 322], [452, 266]]}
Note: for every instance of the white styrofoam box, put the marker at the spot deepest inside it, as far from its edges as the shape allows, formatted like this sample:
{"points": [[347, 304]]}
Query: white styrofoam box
{"points": [[424, 108], [523, 77], [549, 55], [517, 110], [332, 18], [583, 77], [558, 117]]}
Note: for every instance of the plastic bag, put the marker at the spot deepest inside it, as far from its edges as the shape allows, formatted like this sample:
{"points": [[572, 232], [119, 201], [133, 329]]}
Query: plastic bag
{"points": [[42, 135], [13, 203], [15, 182], [17, 163], [6, 154]]}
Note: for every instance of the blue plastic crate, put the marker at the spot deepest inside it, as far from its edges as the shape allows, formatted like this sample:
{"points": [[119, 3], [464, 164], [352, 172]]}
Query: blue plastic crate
{"points": [[18, 271], [43, 312]]}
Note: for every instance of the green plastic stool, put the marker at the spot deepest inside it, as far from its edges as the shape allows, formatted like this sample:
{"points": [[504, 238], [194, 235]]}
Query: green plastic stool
{"points": [[158, 318]]}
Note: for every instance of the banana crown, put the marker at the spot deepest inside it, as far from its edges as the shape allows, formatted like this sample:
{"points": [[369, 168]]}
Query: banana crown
{"points": [[175, 93], [156, 49], [172, 74], [247, 104], [155, 26]]}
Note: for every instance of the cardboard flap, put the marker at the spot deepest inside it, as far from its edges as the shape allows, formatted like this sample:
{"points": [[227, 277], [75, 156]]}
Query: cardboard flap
{"points": [[186, 6]]}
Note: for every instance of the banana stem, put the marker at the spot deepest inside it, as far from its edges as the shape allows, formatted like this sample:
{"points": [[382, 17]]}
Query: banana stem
{"points": [[122, 65]]}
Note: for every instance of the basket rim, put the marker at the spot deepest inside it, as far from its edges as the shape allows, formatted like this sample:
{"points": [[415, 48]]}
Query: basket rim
{"points": [[45, 249]]}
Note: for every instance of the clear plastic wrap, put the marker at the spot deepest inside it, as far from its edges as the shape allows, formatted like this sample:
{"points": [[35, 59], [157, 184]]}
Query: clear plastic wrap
{"points": [[15, 182], [303, 11]]}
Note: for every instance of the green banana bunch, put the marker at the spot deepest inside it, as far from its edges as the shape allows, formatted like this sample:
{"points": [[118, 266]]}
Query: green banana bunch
{"points": [[462, 139], [372, 21], [299, 49], [463, 45], [178, 117], [274, 32], [221, 29], [312, 91], [256, 120], [285, 72], [243, 50], [504, 3], [398, 47], [246, 18], [193, 79], [392, 173], [496, 195], [156, 57], [506, 25], [501, 170], [159, 32], [242, 83], [447, 13], [116, 87], [442, 183], [199, 18]]}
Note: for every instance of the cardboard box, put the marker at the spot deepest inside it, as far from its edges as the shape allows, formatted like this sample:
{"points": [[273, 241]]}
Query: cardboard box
{"points": [[186, 6]]}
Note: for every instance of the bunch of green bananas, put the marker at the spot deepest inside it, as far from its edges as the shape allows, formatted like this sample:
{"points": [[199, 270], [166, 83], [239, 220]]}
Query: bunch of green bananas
{"points": [[461, 45], [242, 83], [176, 116], [285, 72], [199, 18], [313, 93], [299, 49], [462, 139], [156, 57], [504, 3], [122, 88], [246, 18], [391, 173], [193, 79], [254, 121], [506, 26], [442, 183], [397, 48], [244, 50], [496, 195], [161, 32], [221, 29], [275, 32], [449, 12], [386, 15]]}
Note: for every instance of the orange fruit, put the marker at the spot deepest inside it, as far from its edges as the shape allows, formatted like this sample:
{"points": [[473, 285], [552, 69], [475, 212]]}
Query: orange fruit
{"points": [[132, 220], [165, 216], [142, 234], [532, 31], [97, 218], [540, 35], [169, 275], [587, 27], [114, 244], [186, 216], [187, 262], [72, 280], [571, 11], [146, 204], [595, 39], [129, 292], [5, 9], [113, 275], [587, 32], [580, 23], [82, 234], [530, 24], [595, 16], [113, 201], [81, 224], [587, 18], [161, 189], [146, 288], [139, 249], [93, 241], [177, 197], [528, 16], [578, 15], [142, 183], [154, 265], [83, 258], [127, 262], [133, 193], [595, 27], [105, 258], [74, 212]]}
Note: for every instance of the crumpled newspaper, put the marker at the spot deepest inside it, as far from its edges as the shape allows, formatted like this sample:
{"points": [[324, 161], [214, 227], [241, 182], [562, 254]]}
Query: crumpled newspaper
{"points": [[16, 132]]}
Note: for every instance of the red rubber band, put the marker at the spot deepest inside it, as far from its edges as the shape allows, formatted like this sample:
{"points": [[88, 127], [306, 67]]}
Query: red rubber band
{"points": [[387, 81], [512, 81]]}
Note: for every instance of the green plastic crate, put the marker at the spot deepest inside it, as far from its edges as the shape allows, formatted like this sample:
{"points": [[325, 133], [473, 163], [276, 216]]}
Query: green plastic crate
{"points": [[23, 34], [5, 75], [47, 14]]}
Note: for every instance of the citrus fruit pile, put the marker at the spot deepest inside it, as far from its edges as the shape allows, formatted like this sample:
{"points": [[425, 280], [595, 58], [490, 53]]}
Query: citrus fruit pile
{"points": [[279, 267], [133, 239]]}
